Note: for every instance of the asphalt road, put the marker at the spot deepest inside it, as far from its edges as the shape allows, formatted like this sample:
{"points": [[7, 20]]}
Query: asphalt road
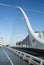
{"points": [[8, 58]]}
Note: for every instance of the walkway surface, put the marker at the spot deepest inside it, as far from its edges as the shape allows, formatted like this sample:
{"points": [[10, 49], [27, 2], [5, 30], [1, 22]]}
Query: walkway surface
{"points": [[8, 58]]}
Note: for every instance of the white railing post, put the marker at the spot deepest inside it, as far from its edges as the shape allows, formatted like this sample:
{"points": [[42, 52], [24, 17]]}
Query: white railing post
{"points": [[30, 59], [41, 63]]}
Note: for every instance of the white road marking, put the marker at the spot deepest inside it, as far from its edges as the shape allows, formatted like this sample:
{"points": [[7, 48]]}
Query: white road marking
{"points": [[8, 57]]}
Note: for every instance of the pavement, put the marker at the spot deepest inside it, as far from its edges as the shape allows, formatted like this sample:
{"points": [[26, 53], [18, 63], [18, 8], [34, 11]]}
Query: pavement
{"points": [[9, 58]]}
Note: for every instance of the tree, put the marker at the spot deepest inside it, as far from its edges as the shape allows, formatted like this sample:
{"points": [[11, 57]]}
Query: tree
{"points": [[18, 43]]}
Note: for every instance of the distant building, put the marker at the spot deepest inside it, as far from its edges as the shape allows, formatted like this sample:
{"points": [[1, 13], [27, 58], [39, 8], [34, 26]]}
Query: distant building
{"points": [[1, 41]]}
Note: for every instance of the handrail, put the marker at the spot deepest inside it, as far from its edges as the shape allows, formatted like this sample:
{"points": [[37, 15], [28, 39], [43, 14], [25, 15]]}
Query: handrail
{"points": [[30, 57]]}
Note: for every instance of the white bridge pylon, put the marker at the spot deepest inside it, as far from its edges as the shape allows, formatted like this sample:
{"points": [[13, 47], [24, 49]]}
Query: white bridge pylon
{"points": [[31, 32], [32, 35]]}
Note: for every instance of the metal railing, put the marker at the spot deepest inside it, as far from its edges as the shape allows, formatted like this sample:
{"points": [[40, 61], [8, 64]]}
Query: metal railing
{"points": [[28, 57]]}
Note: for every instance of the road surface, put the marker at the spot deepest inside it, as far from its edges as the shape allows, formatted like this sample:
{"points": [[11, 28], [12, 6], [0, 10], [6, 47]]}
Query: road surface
{"points": [[9, 58]]}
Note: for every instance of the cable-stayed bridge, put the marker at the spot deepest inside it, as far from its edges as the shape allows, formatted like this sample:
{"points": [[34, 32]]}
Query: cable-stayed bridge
{"points": [[33, 55]]}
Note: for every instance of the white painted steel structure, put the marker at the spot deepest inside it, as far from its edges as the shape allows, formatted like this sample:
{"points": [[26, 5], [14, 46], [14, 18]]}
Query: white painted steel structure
{"points": [[35, 42], [38, 43]]}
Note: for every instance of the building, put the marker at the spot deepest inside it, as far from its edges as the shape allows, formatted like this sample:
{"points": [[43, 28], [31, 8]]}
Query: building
{"points": [[1, 41]]}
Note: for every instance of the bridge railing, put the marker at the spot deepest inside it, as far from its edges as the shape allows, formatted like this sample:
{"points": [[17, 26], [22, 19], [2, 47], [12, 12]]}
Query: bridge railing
{"points": [[28, 57]]}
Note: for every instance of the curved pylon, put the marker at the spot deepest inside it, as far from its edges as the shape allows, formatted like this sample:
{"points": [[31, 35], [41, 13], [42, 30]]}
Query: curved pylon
{"points": [[38, 43], [32, 35]]}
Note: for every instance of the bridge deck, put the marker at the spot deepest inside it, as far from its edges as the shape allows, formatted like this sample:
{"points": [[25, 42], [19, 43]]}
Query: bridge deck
{"points": [[8, 58]]}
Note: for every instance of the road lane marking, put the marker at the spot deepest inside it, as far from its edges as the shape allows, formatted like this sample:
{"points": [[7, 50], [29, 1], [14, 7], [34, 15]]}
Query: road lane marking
{"points": [[8, 57]]}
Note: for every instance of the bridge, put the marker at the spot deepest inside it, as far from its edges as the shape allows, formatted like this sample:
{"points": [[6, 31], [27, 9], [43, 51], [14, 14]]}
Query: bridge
{"points": [[13, 55]]}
